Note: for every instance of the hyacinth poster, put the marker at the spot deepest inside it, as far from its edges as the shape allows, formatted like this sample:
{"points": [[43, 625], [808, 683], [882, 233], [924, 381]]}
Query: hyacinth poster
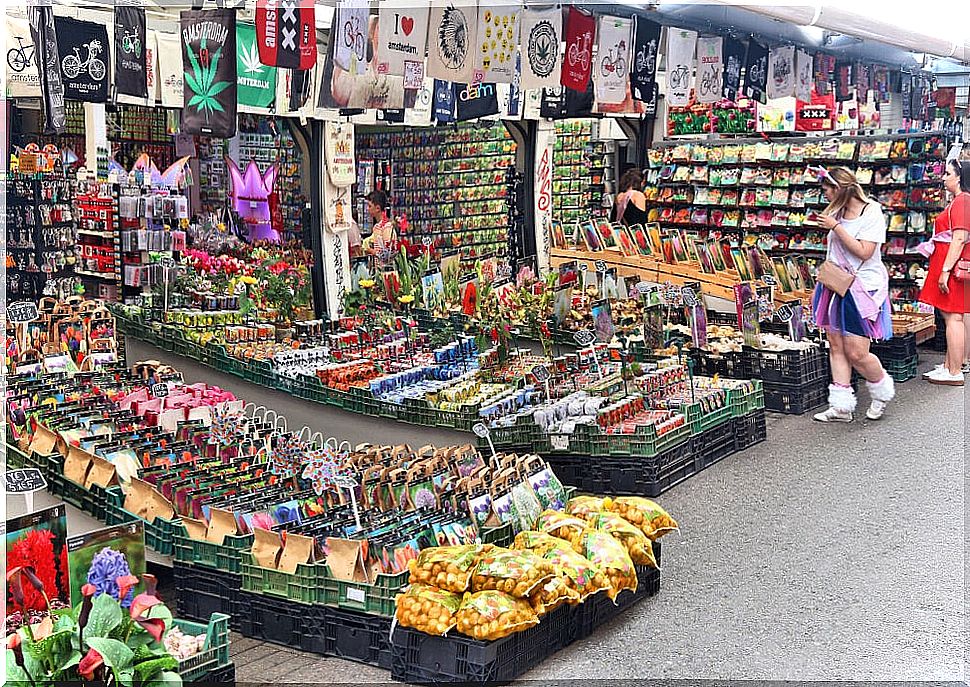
{"points": [[209, 70], [102, 556]]}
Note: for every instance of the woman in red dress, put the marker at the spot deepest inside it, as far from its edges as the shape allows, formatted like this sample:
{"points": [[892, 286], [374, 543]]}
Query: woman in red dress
{"points": [[951, 296]]}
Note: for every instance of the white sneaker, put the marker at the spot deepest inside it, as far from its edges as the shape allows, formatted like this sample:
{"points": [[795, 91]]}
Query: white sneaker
{"points": [[926, 375], [876, 409], [942, 376], [834, 415]]}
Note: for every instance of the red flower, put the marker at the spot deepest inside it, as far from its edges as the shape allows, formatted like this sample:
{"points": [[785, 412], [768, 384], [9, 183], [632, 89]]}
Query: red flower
{"points": [[90, 663], [153, 626], [125, 583]]}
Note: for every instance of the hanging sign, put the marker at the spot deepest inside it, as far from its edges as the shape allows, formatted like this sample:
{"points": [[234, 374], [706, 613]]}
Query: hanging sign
{"points": [[710, 69], [498, 42], [824, 67], [23, 79], [843, 81], [152, 85], [818, 114], [803, 75], [419, 111], [680, 65], [403, 34], [82, 49], [339, 147], [452, 26], [756, 72], [44, 34], [257, 81], [286, 33], [170, 74], [22, 312], [131, 77], [24, 480], [541, 32], [733, 52], [543, 171], [613, 61], [209, 72], [646, 48], [781, 72], [578, 61]]}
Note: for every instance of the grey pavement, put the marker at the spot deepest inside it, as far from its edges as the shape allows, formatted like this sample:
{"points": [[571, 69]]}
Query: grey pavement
{"points": [[829, 552]]}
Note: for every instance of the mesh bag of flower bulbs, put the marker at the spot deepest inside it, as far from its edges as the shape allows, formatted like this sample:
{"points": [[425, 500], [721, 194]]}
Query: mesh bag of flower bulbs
{"points": [[448, 568], [611, 557], [428, 609], [637, 544], [643, 514], [490, 615]]}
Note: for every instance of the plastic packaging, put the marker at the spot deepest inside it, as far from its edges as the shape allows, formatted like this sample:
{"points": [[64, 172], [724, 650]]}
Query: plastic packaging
{"points": [[446, 567], [517, 573], [637, 544], [644, 514], [578, 571], [552, 594], [611, 557], [584, 506], [566, 527]]}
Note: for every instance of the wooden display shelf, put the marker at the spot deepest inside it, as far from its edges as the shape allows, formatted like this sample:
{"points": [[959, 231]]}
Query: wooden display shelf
{"points": [[720, 285]]}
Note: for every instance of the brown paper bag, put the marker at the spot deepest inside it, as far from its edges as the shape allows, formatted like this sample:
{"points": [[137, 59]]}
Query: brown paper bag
{"points": [[43, 442], [139, 498], [161, 507], [76, 464], [102, 473], [297, 550], [221, 523], [195, 529], [267, 546], [346, 560]]}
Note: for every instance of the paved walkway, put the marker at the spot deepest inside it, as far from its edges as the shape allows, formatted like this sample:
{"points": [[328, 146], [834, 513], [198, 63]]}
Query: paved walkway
{"points": [[825, 553]]}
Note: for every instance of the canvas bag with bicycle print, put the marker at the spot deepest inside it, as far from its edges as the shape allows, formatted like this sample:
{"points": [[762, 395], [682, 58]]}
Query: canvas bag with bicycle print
{"points": [[613, 59], [131, 50], [680, 62], [23, 79], [82, 49], [709, 69]]}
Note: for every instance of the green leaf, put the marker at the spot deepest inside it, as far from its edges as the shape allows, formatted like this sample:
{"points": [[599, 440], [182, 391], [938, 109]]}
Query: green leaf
{"points": [[126, 677], [65, 622], [147, 670], [166, 679], [46, 649], [216, 106], [210, 77], [219, 88], [191, 82], [15, 674], [196, 99], [116, 655], [105, 616], [193, 78]]}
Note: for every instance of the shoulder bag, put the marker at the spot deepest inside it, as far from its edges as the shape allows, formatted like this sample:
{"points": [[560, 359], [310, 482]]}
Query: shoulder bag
{"points": [[961, 270], [832, 275]]}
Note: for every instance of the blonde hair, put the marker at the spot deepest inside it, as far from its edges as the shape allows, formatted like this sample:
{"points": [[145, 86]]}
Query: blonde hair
{"points": [[847, 188]]}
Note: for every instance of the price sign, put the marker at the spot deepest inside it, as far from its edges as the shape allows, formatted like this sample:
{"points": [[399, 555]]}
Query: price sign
{"points": [[24, 481], [168, 262], [540, 372], [50, 288], [769, 280], [160, 390], [583, 267], [240, 288], [584, 337], [345, 481], [600, 265], [689, 297], [643, 288], [559, 442], [480, 429], [427, 242], [785, 313], [22, 312], [413, 74]]}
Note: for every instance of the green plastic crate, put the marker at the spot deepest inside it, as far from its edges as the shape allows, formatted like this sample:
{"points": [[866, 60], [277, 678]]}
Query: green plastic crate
{"points": [[304, 586], [378, 598], [745, 403], [503, 535], [902, 371], [214, 655], [226, 557], [159, 535], [701, 422], [643, 443]]}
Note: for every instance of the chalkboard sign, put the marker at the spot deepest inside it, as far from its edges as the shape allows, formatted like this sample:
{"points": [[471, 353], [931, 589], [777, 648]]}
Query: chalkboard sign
{"points": [[600, 265], [688, 296], [584, 337], [769, 280], [643, 288], [160, 390], [583, 267], [167, 262], [540, 372], [24, 481], [345, 481], [22, 312], [785, 313], [480, 429], [427, 242]]}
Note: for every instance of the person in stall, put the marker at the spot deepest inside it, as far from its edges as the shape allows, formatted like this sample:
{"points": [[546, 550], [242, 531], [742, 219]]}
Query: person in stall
{"points": [[382, 241], [631, 204]]}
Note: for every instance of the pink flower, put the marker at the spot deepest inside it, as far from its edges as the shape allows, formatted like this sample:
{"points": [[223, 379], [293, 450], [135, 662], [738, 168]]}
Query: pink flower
{"points": [[90, 663]]}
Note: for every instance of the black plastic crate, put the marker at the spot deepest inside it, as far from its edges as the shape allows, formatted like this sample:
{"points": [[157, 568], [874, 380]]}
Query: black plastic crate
{"points": [[626, 475], [713, 445], [223, 676], [729, 365], [803, 366], [598, 609], [358, 637], [750, 429], [900, 349], [419, 658], [281, 621], [203, 591], [793, 399]]}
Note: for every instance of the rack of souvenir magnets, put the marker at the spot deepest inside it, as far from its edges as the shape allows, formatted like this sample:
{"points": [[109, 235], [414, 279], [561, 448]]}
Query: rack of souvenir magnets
{"points": [[451, 183], [267, 141], [766, 195], [213, 175], [151, 238], [41, 229], [138, 130]]}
